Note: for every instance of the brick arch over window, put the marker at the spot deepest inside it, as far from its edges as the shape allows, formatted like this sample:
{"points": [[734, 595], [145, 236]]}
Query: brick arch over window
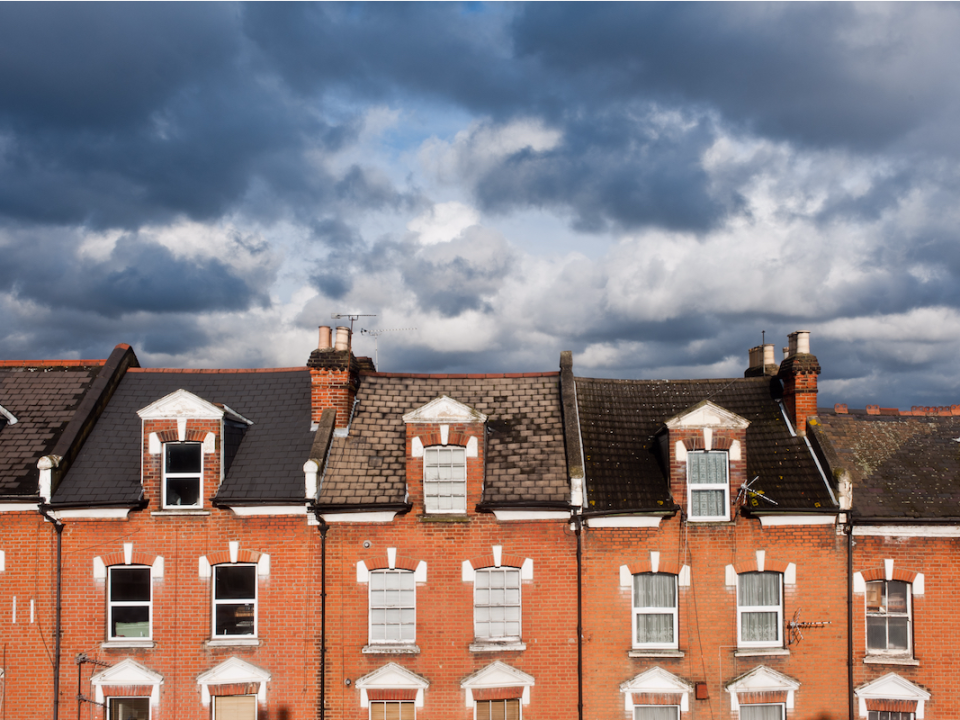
{"points": [[897, 574], [761, 563], [243, 556], [383, 563], [391, 561], [455, 438], [136, 558], [171, 436], [768, 566], [645, 566], [656, 698], [489, 561]]}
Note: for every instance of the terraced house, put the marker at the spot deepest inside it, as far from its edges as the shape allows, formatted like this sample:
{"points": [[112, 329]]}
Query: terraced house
{"points": [[330, 541]]}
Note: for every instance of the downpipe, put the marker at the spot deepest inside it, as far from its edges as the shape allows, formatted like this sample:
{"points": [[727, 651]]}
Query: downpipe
{"points": [[58, 525]]}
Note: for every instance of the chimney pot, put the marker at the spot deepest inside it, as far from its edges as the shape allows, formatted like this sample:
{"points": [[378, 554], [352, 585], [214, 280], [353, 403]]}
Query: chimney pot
{"points": [[343, 339], [769, 355], [324, 338], [799, 342]]}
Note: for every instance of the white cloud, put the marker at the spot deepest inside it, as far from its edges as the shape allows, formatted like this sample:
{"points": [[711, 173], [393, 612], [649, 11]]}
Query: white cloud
{"points": [[443, 222]]}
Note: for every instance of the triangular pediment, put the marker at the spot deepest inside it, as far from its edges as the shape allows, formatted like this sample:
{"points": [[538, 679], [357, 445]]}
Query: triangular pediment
{"points": [[656, 680], [392, 676], [707, 414], [763, 679], [495, 675], [232, 671], [181, 404], [891, 687], [445, 410], [127, 672]]}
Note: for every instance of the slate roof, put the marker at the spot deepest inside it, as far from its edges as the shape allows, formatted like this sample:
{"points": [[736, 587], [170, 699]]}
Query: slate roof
{"points": [[525, 462], [902, 467], [619, 420], [43, 396], [267, 467]]}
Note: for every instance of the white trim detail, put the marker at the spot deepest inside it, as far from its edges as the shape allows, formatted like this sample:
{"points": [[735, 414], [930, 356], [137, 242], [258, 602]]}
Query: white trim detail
{"points": [[310, 470], [467, 573], [153, 444], [626, 577], [708, 439], [496, 675], [787, 520], [181, 429], [204, 567], [363, 574], [128, 553], [654, 561], [420, 574], [790, 574], [416, 447], [128, 672], [446, 410], [656, 680], [20, 507], [209, 443], [683, 580], [99, 569], [680, 451], [233, 670], [157, 568], [518, 515], [952, 531], [3, 561], [391, 677], [761, 679], [859, 584], [382, 516], [526, 570], [918, 584], [261, 510], [497, 555], [891, 687], [92, 514], [392, 558], [735, 451], [472, 448], [707, 415], [625, 521], [730, 575], [32, 610], [444, 435], [234, 551], [45, 465], [181, 404], [263, 565], [888, 568], [761, 556]]}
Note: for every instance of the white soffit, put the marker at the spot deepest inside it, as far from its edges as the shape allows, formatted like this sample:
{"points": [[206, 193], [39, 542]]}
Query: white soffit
{"points": [[707, 414], [181, 404], [445, 410]]}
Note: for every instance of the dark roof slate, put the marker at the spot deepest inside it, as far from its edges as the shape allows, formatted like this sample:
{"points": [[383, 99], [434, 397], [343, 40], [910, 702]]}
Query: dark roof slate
{"points": [[901, 466], [525, 460], [43, 398], [267, 465], [619, 421]]}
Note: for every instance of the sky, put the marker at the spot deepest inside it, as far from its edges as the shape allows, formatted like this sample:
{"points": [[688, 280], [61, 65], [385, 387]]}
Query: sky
{"points": [[656, 187]]}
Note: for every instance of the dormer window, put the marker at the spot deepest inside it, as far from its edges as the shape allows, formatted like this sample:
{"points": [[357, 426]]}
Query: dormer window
{"points": [[182, 475], [445, 479], [708, 486]]}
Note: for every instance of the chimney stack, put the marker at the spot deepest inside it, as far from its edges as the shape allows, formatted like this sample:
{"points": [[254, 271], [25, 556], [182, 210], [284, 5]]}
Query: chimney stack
{"points": [[762, 361], [334, 375], [798, 372]]}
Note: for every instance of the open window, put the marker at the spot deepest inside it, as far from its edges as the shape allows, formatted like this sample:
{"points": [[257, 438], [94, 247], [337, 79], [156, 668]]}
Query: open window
{"points": [[129, 603], [182, 475]]}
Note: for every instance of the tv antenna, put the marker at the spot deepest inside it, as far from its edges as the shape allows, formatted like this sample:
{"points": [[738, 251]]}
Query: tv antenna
{"points": [[746, 490], [796, 627], [351, 316], [375, 334]]}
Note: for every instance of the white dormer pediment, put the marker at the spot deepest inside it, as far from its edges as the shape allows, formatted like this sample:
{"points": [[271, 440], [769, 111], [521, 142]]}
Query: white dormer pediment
{"points": [[181, 404], [497, 675], [11, 420], [706, 414], [891, 687], [445, 410], [762, 679], [391, 677], [128, 672], [656, 680], [233, 671]]}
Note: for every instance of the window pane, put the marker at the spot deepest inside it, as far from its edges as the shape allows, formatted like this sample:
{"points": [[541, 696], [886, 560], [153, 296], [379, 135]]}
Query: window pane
{"points": [[896, 597], [235, 619], [897, 633], [656, 712], [130, 622], [236, 582], [759, 589], [130, 584], [877, 633], [758, 627], [709, 468], [654, 590], [129, 708], [185, 458], [655, 628], [183, 491], [707, 503], [761, 712]]}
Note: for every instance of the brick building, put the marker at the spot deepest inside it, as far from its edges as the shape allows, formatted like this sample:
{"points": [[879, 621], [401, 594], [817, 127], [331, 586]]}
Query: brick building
{"points": [[904, 525]]}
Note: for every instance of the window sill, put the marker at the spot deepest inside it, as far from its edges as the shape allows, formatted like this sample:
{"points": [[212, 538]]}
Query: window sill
{"points": [[753, 652], [712, 521], [386, 649], [890, 660], [131, 643], [654, 653], [444, 517], [199, 512], [233, 642], [482, 646]]}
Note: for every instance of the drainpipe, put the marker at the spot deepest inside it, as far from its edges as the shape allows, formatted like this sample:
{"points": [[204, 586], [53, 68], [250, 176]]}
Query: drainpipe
{"points": [[58, 525], [323, 527], [578, 524], [850, 544]]}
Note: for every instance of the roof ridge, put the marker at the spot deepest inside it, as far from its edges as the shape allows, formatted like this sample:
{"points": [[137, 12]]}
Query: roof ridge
{"points": [[198, 371], [51, 363], [463, 376]]}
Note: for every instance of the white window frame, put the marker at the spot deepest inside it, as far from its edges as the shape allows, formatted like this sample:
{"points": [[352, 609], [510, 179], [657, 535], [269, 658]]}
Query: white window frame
{"points": [[743, 609], [635, 612], [215, 603], [636, 708], [476, 705], [879, 714], [693, 487], [371, 608], [431, 502], [165, 475], [890, 652], [111, 604], [782, 706], [109, 701], [518, 604], [411, 703]]}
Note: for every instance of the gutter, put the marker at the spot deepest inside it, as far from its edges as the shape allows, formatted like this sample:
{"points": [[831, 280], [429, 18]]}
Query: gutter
{"points": [[401, 508]]}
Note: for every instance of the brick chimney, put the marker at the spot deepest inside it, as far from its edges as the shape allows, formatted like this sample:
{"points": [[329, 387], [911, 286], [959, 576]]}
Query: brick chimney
{"points": [[762, 362], [798, 372], [334, 375]]}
